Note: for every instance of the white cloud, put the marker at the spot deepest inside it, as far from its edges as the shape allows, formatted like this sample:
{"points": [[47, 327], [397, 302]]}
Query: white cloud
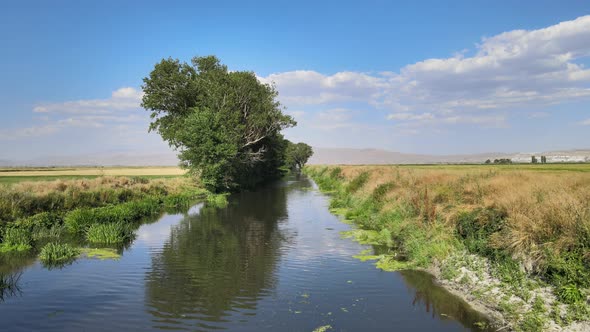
{"points": [[517, 68], [538, 115], [585, 122], [338, 115], [33, 131], [411, 116], [122, 99], [123, 107], [309, 87]]}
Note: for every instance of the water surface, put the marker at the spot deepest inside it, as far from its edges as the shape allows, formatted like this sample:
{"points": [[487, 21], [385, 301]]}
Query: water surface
{"points": [[271, 260]]}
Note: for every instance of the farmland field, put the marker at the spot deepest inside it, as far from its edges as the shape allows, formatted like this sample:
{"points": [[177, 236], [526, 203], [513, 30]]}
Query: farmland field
{"points": [[14, 175]]}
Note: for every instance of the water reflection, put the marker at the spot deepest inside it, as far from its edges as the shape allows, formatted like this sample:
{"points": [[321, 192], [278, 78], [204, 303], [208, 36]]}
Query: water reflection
{"points": [[9, 285], [435, 300], [219, 260], [272, 260]]}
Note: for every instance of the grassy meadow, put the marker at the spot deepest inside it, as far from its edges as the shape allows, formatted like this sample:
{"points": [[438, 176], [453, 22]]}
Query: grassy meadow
{"points": [[10, 175], [57, 212], [515, 237]]}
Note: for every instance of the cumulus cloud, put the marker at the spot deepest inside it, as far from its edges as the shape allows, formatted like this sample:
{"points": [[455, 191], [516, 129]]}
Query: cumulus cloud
{"points": [[123, 99], [120, 109], [310, 87], [32, 131], [529, 68]]}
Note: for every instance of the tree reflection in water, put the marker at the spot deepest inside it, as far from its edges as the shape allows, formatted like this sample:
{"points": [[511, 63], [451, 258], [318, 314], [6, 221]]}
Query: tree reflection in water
{"points": [[220, 260]]}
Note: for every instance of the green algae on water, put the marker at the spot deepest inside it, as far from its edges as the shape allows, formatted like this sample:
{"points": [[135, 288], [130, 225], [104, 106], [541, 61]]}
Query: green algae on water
{"points": [[101, 253]]}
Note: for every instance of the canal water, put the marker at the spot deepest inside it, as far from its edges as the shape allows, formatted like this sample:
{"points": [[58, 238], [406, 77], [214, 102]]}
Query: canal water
{"points": [[272, 260]]}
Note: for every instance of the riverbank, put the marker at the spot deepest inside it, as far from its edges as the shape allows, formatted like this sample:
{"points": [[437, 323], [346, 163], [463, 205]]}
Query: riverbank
{"points": [[60, 219], [512, 242]]}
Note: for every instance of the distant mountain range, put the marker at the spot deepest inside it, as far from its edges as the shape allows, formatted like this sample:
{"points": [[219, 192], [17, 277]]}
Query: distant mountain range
{"points": [[329, 156], [103, 159]]}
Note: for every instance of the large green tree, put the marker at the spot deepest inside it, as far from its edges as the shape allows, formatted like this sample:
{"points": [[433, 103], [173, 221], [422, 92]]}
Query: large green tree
{"points": [[225, 125], [297, 155]]}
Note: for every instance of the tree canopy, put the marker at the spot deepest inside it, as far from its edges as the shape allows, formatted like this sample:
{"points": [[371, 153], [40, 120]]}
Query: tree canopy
{"points": [[297, 155], [225, 125]]}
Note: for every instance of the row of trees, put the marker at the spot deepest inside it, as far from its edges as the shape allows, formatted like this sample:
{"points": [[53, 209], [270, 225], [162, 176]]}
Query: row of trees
{"points": [[502, 161], [226, 125], [534, 160]]}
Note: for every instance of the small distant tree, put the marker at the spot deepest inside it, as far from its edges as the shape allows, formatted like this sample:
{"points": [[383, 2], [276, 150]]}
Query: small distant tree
{"points": [[297, 155], [488, 161], [503, 161], [534, 160], [543, 160]]}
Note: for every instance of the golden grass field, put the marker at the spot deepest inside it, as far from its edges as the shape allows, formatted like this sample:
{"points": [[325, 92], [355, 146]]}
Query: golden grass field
{"points": [[13, 175], [547, 207]]}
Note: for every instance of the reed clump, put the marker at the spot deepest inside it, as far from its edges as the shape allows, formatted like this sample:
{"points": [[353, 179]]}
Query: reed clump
{"points": [[58, 253], [109, 233]]}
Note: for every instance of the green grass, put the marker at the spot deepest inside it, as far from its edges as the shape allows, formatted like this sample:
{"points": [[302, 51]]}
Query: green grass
{"points": [[110, 233], [184, 199], [217, 200], [16, 239], [79, 220], [58, 253]]}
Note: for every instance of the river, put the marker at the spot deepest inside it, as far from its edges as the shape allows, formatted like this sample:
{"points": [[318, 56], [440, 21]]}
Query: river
{"points": [[271, 260]]}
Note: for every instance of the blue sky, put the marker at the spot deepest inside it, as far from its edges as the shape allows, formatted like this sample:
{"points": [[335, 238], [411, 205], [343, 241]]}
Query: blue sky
{"points": [[421, 76]]}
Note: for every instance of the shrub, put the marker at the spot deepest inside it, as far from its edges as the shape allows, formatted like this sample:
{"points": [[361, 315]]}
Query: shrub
{"points": [[382, 190], [568, 268], [358, 182], [476, 227]]}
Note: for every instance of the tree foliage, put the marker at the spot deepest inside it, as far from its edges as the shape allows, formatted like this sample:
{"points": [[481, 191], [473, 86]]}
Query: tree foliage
{"points": [[225, 125], [297, 155]]}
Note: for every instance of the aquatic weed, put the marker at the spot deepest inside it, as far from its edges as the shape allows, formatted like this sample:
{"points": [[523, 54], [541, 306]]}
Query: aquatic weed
{"points": [[53, 254], [109, 233]]}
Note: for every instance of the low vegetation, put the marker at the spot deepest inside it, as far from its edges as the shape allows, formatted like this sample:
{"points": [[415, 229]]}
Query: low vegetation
{"points": [[59, 216], [513, 232], [53, 254], [109, 233]]}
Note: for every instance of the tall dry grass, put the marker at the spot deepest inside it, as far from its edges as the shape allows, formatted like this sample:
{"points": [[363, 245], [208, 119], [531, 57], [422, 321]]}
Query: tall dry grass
{"points": [[28, 198], [545, 214]]}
